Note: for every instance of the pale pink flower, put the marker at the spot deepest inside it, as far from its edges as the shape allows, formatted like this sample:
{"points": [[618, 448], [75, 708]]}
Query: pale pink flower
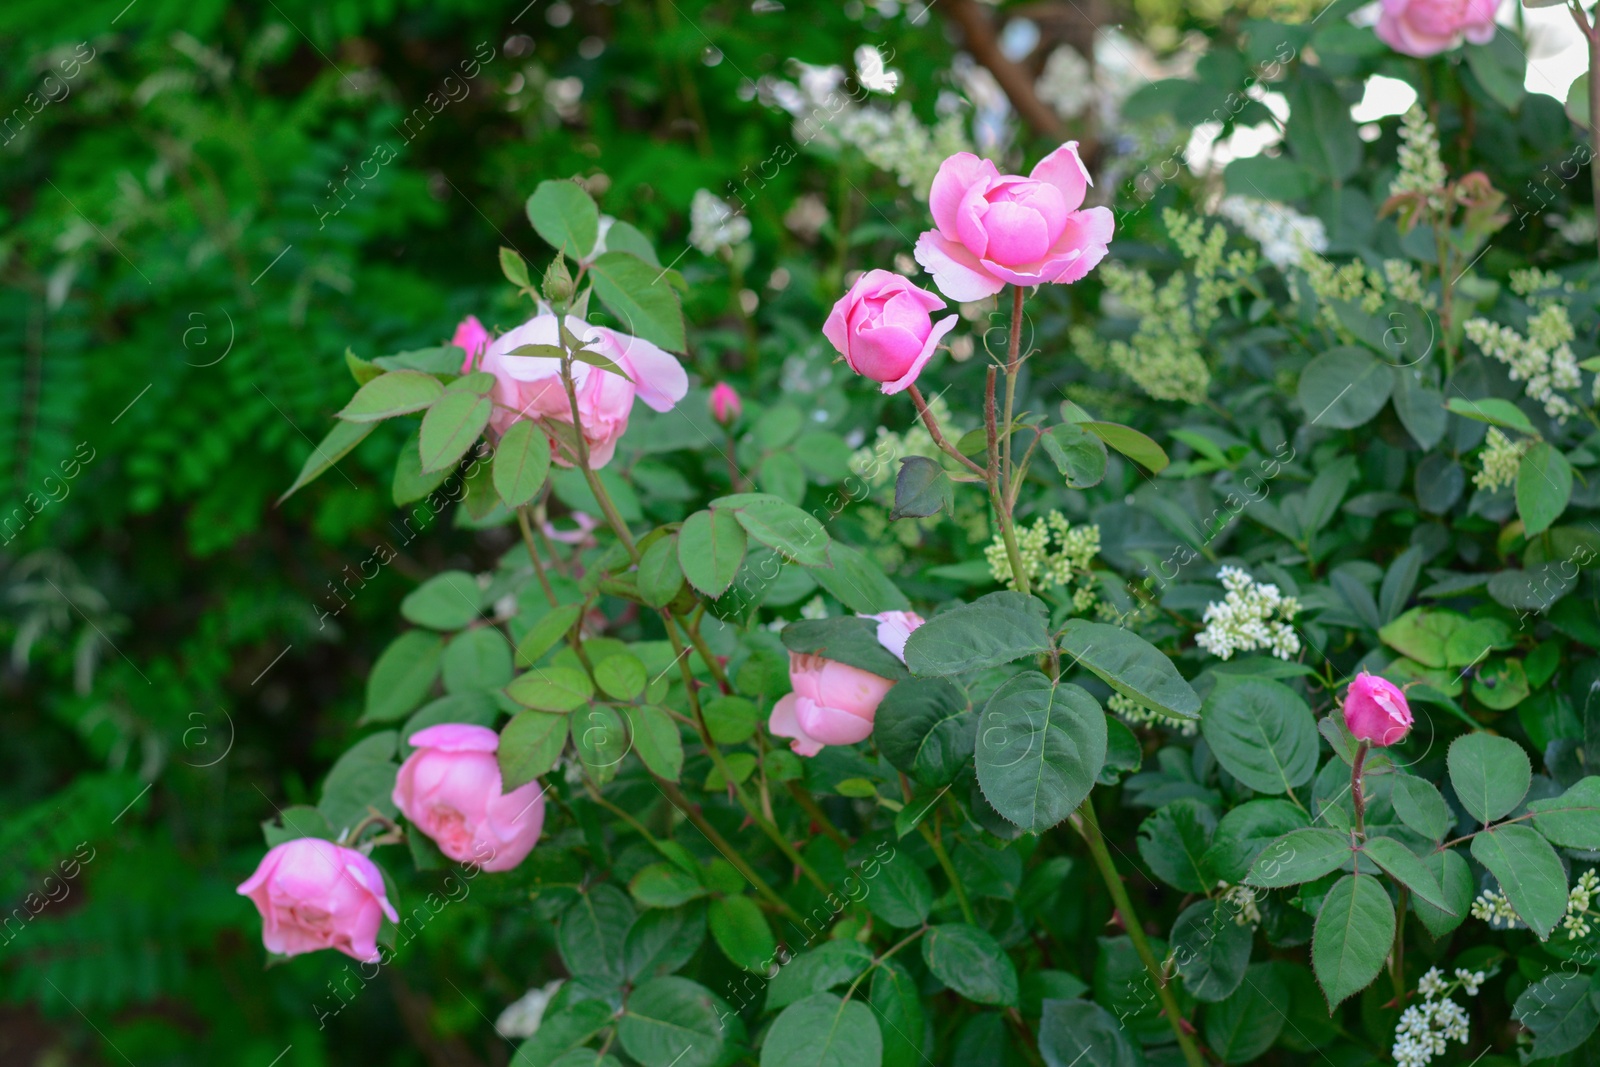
{"points": [[450, 789], [314, 894], [1427, 27], [1376, 711], [883, 329]]}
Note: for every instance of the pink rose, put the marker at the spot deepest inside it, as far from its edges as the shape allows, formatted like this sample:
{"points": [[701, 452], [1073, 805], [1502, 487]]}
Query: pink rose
{"points": [[1376, 711], [450, 790], [314, 894], [725, 404], [995, 228], [883, 330], [1428, 27], [834, 703], [472, 339], [531, 386]]}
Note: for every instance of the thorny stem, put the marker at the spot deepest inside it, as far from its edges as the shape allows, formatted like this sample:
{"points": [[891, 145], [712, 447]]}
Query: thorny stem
{"points": [[1013, 363], [936, 842], [676, 798], [601, 497], [1591, 34], [1089, 826], [692, 628], [878, 961], [809, 805], [533, 554], [933, 431], [1001, 513], [1356, 796]]}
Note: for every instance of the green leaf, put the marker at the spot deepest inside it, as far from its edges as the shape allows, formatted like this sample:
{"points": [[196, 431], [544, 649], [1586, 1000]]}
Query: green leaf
{"points": [[1299, 856], [447, 601], [1571, 820], [1262, 733], [897, 1003], [1529, 872], [660, 576], [925, 727], [1494, 411], [621, 676], [1211, 949], [360, 779], [1544, 487], [590, 932], [1560, 1009], [1420, 807], [410, 483], [340, 440], [605, 363], [656, 739], [823, 1031], [476, 660], [664, 885], [562, 1032], [818, 970], [1039, 748], [1242, 1028], [543, 634], [529, 746], [1405, 867], [641, 297], [1423, 634], [1344, 388], [1173, 842], [901, 894], [1490, 774], [450, 427], [971, 962], [1078, 453], [992, 630], [1246, 831], [403, 676], [514, 268], [521, 463], [565, 216], [921, 489], [850, 640], [730, 719], [600, 741], [741, 931], [1501, 67], [1321, 135], [398, 392], [1450, 870], [859, 583], [558, 689], [1352, 937], [1080, 1033], [782, 527], [710, 547], [1129, 664], [298, 820], [673, 1022], [662, 940], [1131, 443]]}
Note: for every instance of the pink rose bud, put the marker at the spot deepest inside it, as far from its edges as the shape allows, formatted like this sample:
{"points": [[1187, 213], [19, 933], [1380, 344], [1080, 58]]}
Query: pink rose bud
{"points": [[472, 339], [531, 386], [883, 330], [450, 789], [994, 228], [1376, 711], [725, 404], [1428, 27], [314, 894], [833, 703]]}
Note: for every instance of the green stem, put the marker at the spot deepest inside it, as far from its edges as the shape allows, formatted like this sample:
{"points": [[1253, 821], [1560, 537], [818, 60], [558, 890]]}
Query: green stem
{"points": [[1019, 576], [935, 842], [692, 628], [809, 805], [1089, 826], [533, 554], [1013, 364], [676, 798], [607, 508], [1357, 799]]}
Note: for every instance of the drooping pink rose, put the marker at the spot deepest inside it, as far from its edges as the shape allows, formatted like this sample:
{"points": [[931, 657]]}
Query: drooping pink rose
{"points": [[894, 629], [1427, 27], [995, 228], [472, 339], [450, 789], [883, 330], [531, 386], [314, 894], [834, 703], [1376, 711], [725, 404]]}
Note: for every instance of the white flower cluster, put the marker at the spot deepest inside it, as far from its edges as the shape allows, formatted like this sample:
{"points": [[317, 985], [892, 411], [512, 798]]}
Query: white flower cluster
{"points": [[1494, 908], [1543, 359], [1136, 714], [1242, 898], [1529, 282], [1500, 457], [1067, 82], [1063, 563], [1425, 1029], [1405, 283], [1576, 922], [1253, 615], [1421, 168], [712, 224], [1283, 233]]}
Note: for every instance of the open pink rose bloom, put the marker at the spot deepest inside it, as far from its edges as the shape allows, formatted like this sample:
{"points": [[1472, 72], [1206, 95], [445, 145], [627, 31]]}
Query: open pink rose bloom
{"points": [[314, 894], [450, 789]]}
